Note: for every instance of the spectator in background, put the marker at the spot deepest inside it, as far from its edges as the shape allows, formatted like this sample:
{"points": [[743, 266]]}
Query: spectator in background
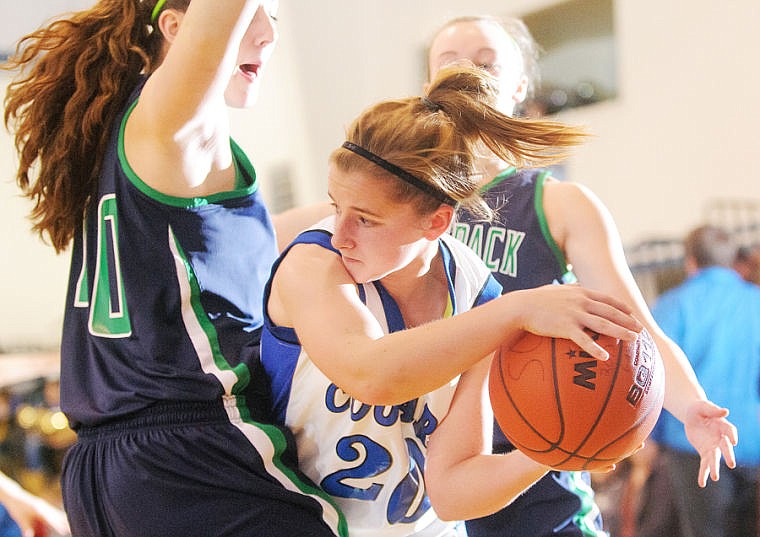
{"points": [[747, 264], [27, 511], [715, 318]]}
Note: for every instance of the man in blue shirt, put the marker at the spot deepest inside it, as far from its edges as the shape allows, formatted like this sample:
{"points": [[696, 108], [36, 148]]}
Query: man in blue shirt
{"points": [[714, 316]]}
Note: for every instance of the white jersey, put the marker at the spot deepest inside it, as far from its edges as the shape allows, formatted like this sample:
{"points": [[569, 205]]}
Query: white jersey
{"points": [[370, 459]]}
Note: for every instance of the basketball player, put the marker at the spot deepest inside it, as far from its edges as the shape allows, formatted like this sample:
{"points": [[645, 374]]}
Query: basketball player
{"points": [[120, 116], [370, 317], [554, 232]]}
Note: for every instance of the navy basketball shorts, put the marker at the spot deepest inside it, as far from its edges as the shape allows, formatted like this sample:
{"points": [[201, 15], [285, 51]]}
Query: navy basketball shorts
{"points": [[188, 469]]}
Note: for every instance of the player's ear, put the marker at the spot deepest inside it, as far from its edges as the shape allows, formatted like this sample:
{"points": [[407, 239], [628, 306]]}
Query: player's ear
{"points": [[169, 21], [522, 90], [690, 264], [439, 221]]}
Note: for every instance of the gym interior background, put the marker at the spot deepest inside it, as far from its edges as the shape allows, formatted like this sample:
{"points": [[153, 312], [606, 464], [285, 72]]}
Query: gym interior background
{"points": [[668, 91]]}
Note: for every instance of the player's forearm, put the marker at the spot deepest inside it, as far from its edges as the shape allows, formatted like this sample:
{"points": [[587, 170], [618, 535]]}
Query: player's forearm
{"points": [[406, 364], [482, 485], [8, 488], [682, 387]]}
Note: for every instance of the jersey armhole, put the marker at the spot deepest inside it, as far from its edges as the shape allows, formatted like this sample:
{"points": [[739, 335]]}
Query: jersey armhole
{"points": [[245, 175], [567, 270]]}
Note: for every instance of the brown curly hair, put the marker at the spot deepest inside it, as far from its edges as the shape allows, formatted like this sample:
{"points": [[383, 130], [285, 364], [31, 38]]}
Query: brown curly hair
{"points": [[74, 76]]}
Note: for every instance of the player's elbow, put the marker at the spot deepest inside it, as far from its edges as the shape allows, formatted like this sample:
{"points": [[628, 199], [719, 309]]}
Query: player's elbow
{"points": [[377, 387], [446, 503], [374, 391], [447, 506]]}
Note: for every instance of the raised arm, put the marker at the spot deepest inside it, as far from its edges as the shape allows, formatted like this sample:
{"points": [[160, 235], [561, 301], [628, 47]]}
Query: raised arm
{"points": [[177, 137], [586, 232]]}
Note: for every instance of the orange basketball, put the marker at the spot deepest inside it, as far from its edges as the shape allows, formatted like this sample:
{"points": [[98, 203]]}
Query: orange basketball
{"points": [[567, 410]]}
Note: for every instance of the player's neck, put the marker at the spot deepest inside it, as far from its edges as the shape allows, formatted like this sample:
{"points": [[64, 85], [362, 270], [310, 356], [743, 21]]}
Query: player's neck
{"points": [[491, 167], [420, 290]]}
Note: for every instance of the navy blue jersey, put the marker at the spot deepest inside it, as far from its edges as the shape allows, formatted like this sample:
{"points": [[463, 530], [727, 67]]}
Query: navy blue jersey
{"points": [[161, 375], [516, 245], [165, 294], [521, 253]]}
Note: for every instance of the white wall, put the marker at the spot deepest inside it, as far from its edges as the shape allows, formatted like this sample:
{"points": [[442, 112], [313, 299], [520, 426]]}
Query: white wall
{"points": [[684, 127], [681, 132], [32, 278]]}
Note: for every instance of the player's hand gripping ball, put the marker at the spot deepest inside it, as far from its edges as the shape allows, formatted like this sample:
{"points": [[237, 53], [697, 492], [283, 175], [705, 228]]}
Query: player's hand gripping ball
{"points": [[569, 411]]}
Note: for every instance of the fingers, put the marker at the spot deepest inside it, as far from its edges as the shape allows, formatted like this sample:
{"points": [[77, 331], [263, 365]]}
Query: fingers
{"points": [[584, 340], [570, 312], [709, 466], [26, 530], [617, 304], [605, 469], [727, 449], [704, 471], [730, 433], [613, 321]]}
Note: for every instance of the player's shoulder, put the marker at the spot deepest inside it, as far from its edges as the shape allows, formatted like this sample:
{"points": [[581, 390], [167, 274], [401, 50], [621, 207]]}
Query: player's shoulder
{"points": [[564, 201], [567, 189], [310, 252]]}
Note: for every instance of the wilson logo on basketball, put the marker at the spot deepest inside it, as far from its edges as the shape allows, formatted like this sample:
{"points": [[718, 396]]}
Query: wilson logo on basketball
{"points": [[586, 372]]}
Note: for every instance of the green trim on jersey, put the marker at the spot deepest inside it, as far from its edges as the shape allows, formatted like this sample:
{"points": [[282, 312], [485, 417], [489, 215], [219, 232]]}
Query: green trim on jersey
{"points": [[243, 170], [509, 172], [280, 444], [585, 518], [234, 379], [567, 271], [241, 371], [82, 294]]}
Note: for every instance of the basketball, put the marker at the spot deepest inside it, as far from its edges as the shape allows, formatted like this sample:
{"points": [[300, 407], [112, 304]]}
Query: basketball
{"points": [[567, 410]]}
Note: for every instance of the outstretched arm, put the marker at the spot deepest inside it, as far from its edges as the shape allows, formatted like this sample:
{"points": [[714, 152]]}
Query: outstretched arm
{"points": [[28, 510], [177, 137], [585, 231], [346, 342]]}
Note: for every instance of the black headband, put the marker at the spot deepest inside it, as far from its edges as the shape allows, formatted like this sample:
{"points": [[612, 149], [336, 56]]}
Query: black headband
{"points": [[401, 174]]}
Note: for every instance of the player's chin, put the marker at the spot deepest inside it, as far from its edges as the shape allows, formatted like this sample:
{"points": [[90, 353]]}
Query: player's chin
{"points": [[241, 95]]}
